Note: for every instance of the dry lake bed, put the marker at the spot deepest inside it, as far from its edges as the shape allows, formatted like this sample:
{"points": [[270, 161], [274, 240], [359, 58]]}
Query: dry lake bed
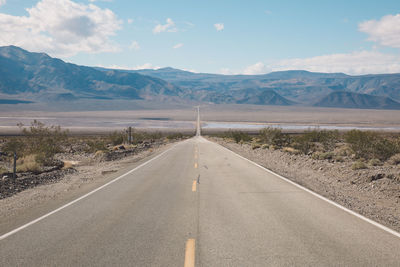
{"points": [[213, 117]]}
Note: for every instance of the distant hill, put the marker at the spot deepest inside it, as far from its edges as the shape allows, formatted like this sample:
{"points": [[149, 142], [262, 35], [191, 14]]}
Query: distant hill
{"points": [[14, 101], [37, 77], [40, 77], [355, 100], [300, 86]]}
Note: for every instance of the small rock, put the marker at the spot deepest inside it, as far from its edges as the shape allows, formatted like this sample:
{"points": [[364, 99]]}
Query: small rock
{"points": [[376, 177]]}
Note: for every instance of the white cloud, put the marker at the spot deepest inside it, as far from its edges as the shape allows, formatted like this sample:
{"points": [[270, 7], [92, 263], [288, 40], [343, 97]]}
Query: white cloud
{"points": [[129, 21], [360, 62], [219, 26], [385, 31], [2, 2], [177, 46], [146, 66], [134, 46], [356, 63], [258, 68], [61, 28], [168, 27]]}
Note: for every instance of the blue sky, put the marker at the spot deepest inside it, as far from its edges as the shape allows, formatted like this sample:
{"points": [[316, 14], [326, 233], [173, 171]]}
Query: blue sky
{"points": [[355, 37]]}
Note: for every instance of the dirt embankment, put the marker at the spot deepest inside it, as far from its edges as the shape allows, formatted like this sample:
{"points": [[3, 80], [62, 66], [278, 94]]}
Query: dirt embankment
{"points": [[372, 192]]}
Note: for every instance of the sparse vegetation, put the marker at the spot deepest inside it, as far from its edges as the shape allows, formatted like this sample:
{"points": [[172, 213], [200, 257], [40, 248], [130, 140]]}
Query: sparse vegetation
{"points": [[274, 136], [38, 144], [371, 145], [237, 136], [117, 138], [355, 145]]}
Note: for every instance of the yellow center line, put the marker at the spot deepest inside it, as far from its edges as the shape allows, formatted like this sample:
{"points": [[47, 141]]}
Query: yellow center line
{"points": [[194, 186], [189, 253], [195, 165]]}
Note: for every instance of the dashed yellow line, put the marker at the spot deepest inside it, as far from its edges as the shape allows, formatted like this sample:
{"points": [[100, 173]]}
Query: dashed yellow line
{"points": [[195, 165], [194, 186], [190, 253]]}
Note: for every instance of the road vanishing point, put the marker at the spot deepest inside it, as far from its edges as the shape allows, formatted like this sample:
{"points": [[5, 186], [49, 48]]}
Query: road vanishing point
{"points": [[199, 204]]}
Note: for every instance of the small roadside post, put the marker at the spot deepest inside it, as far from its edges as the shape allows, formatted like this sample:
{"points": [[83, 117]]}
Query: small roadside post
{"points": [[129, 135], [15, 166]]}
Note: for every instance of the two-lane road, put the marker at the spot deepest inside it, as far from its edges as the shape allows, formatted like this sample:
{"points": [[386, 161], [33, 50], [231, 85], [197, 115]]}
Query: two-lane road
{"points": [[204, 203]]}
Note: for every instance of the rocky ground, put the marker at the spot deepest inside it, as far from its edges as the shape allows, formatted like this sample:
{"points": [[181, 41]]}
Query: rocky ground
{"points": [[372, 192]]}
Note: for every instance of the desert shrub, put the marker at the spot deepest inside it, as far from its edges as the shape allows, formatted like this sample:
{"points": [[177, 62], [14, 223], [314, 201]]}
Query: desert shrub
{"points": [[238, 136], [274, 136], [370, 145], [43, 141], [338, 158], [374, 162], [303, 144], [343, 151], [96, 145], [14, 144], [175, 136], [255, 146], [328, 139], [140, 137], [39, 140], [358, 165], [28, 163], [117, 138]]}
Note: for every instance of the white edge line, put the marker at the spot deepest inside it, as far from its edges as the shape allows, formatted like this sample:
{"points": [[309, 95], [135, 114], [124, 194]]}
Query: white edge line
{"points": [[387, 229], [86, 195]]}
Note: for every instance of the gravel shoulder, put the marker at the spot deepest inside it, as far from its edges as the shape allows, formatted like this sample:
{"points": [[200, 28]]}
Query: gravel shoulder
{"points": [[372, 192], [64, 185]]}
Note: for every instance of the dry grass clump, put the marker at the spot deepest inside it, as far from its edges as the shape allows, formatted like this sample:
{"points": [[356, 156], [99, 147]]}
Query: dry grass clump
{"points": [[358, 165], [291, 150], [28, 164], [99, 153], [68, 164], [371, 145], [255, 146], [3, 170]]}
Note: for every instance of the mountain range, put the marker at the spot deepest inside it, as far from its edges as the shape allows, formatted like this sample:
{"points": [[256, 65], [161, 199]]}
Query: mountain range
{"points": [[27, 77]]}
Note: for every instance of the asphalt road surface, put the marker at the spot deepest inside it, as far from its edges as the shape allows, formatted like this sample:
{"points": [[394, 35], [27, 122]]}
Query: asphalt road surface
{"points": [[200, 204]]}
